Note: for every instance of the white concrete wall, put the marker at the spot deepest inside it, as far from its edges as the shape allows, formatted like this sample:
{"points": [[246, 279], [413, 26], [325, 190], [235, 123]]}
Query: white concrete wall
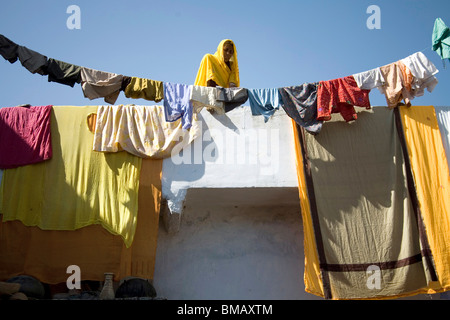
{"points": [[234, 244], [235, 150]]}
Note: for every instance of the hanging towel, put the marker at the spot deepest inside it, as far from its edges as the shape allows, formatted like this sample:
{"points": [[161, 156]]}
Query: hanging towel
{"points": [[46, 254], [140, 130], [423, 71], [147, 89], [213, 67], [178, 104], [357, 212], [300, 103], [231, 97], [25, 136], [432, 183], [8, 49], [206, 97], [77, 187], [264, 102], [443, 118], [63, 72], [340, 96], [440, 39], [100, 84], [369, 79], [33, 61]]}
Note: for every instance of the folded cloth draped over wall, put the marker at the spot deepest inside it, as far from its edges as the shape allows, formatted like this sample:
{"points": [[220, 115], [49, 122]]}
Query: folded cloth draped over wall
{"points": [[77, 187], [264, 102], [25, 135], [140, 130], [99, 84], [340, 96], [300, 103], [178, 104], [63, 72], [357, 212], [147, 89], [46, 254], [432, 181]]}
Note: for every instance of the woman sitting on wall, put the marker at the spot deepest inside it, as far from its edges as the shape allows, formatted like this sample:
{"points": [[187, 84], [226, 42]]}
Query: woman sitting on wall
{"points": [[221, 68]]}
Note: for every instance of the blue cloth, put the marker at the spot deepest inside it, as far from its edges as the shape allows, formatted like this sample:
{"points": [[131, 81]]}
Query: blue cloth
{"points": [[177, 103], [264, 102]]}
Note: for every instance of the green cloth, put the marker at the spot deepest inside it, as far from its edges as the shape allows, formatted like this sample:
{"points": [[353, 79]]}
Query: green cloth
{"points": [[77, 187], [441, 39]]}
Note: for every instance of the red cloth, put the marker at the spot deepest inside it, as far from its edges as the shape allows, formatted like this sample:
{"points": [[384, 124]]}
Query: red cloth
{"points": [[24, 136], [340, 96]]}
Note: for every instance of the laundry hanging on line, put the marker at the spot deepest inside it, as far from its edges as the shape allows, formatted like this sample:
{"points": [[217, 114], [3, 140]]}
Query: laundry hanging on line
{"points": [[399, 81]]}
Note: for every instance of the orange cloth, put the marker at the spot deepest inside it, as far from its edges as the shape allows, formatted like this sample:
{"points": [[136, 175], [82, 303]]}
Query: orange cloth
{"points": [[46, 255]]}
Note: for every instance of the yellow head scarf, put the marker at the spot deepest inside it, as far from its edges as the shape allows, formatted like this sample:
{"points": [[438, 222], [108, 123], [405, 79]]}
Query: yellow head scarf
{"points": [[213, 67]]}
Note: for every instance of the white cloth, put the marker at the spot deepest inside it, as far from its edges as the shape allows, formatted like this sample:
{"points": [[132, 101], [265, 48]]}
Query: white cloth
{"points": [[423, 71], [443, 118], [369, 79], [97, 84], [141, 130], [206, 97]]}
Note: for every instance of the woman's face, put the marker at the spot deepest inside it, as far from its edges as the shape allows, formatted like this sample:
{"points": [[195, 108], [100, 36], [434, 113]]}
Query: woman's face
{"points": [[228, 52]]}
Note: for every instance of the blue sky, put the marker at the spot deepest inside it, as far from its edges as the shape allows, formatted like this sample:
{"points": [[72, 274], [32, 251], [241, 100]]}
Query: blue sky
{"points": [[279, 43]]}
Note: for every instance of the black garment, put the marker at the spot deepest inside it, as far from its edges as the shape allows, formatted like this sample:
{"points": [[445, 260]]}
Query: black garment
{"points": [[232, 97], [33, 61], [300, 103], [8, 49], [63, 72]]}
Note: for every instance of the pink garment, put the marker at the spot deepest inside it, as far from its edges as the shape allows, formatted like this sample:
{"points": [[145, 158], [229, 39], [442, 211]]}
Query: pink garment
{"points": [[24, 135]]}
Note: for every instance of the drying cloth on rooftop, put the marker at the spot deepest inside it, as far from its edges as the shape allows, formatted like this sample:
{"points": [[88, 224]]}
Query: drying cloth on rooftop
{"points": [[25, 136], [140, 130], [46, 254], [213, 67], [77, 187], [443, 118], [361, 235], [432, 179]]}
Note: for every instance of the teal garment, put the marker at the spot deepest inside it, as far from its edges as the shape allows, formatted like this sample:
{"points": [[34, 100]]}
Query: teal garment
{"points": [[441, 39]]}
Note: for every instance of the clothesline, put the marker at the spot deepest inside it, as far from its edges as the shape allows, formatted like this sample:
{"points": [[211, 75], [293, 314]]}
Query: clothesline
{"points": [[309, 104]]}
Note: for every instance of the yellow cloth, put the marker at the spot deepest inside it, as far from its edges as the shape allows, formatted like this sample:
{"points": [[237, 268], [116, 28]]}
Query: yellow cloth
{"points": [[311, 275], [432, 179], [145, 88], [77, 187], [213, 67], [141, 131], [46, 254]]}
